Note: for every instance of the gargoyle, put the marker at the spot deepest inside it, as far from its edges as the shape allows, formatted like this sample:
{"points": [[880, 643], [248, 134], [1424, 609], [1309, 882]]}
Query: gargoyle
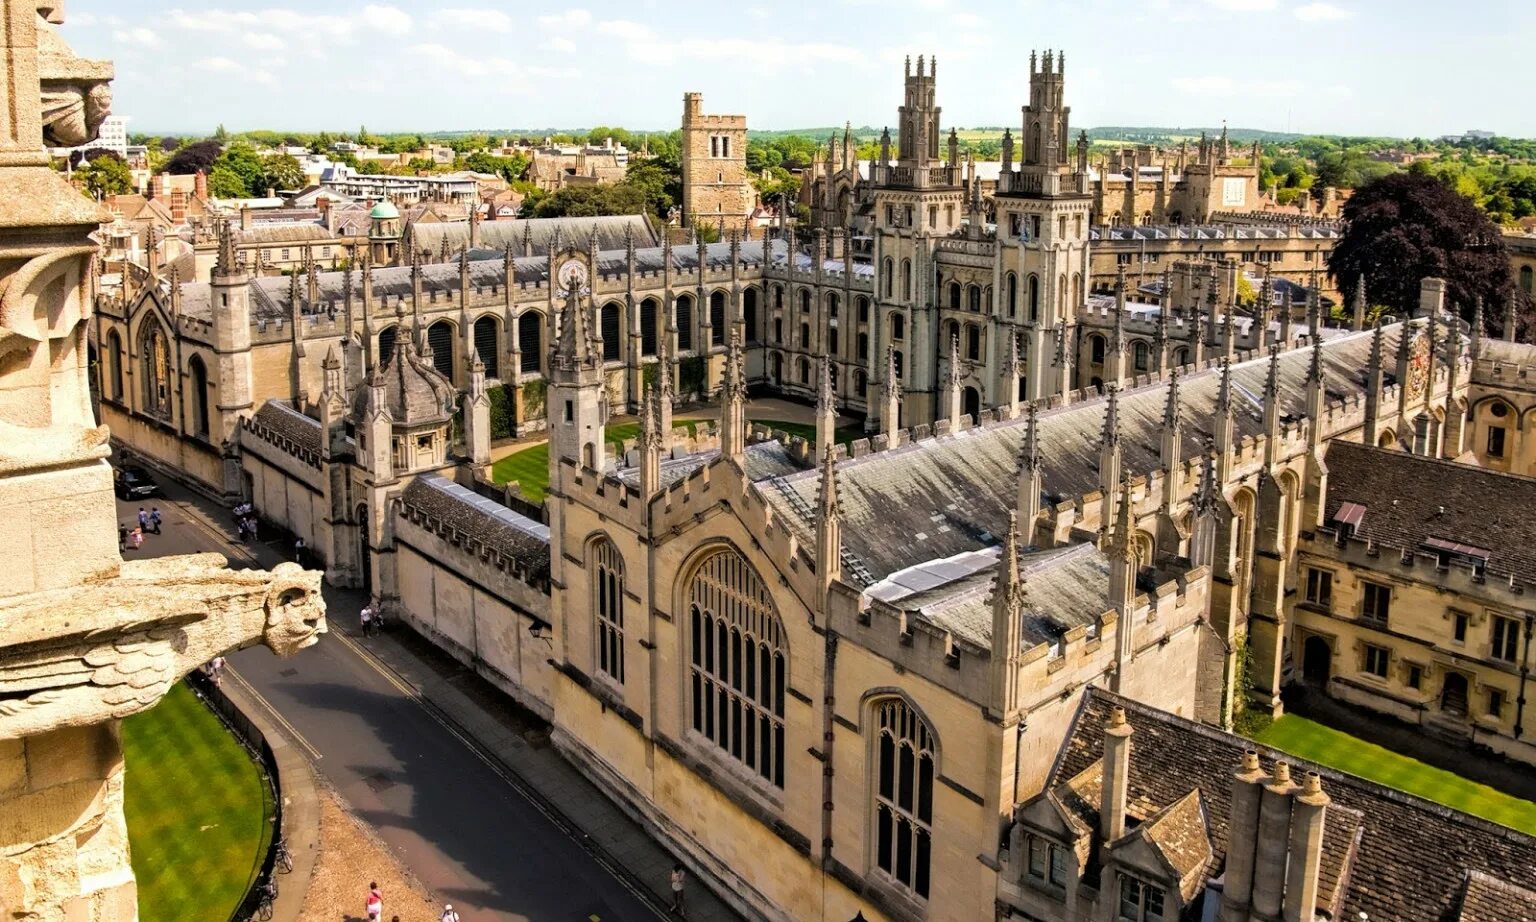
{"points": [[111, 648], [76, 91]]}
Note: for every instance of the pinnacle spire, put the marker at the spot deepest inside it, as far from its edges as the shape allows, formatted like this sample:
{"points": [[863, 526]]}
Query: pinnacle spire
{"points": [[1029, 457], [1171, 409], [1111, 433]]}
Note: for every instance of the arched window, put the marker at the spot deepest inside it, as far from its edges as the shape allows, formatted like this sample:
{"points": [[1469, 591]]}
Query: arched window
{"points": [[738, 664], [832, 340], [1180, 357], [717, 318], [1077, 290], [440, 341], [1526, 281], [1013, 294], [805, 371], [863, 304], [1034, 298], [609, 326], [1034, 143], [906, 279], [749, 313], [860, 382], [1139, 351], [805, 336], [898, 327], [487, 344], [778, 297], [903, 796], [114, 365], [972, 342], [648, 311], [155, 370], [683, 312], [197, 393], [805, 300], [608, 602], [1096, 349], [954, 296], [863, 342], [832, 304], [1061, 297], [387, 344], [530, 340], [974, 293], [887, 277]]}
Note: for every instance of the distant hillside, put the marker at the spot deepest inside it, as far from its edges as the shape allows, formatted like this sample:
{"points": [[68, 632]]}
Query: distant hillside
{"points": [[1147, 135]]}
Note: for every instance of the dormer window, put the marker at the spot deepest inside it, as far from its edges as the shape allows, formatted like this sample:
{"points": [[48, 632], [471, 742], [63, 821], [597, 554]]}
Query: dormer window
{"points": [[1140, 901], [1047, 862]]}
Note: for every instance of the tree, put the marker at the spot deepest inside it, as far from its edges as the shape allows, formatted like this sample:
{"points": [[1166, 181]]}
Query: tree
{"points": [[242, 160], [169, 143], [104, 174], [363, 137], [281, 171], [1409, 226], [196, 157], [224, 182], [219, 134]]}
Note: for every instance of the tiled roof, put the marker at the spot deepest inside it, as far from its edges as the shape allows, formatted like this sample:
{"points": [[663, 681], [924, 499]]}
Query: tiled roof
{"points": [[611, 231], [285, 422], [1411, 500], [460, 514], [279, 233], [1488, 899], [1407, 858], [939, 497], [1179, 833]]}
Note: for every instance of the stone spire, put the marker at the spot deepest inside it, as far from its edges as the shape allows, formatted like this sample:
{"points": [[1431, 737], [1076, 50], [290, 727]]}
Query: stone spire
{"points": [[1317, 394], [652, 444], [1202, 538], [1114, 357], [1011, 377], [477, 413], [1314, 307], [890, 409], [1286, 312], [1475, 348], [1358, 322], [826, 405], [575, 349], [1264, 311], [1375, 376], [1030, 465], [1122, 580], [227, 264], [1510, 303], [1224, 435], [733, 403], [829, 528], [1007, 623], [1063, 365], [1272, 403], [952, 383], [1109, 445]]}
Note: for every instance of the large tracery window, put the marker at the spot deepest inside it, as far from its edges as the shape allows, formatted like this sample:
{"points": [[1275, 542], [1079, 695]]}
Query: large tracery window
{"points": [[608, 596], [738, 664], [155, 360], [904, 770]]}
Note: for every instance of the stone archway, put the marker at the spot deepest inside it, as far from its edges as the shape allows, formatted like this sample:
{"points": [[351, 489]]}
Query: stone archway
{"points": [[1316, 661], [1453, 695]]}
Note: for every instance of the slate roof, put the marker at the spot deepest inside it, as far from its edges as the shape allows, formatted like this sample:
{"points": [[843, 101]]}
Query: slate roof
{"points": [[1488, 899], [937, 498], [1410, 500], [1408, 859], [516, 537], [283, 232], [415, 392], [285, 421], [762, 461], [611, 230]]}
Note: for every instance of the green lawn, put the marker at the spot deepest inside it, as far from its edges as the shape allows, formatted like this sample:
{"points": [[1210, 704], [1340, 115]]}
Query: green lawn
{"points": [[1314, 742], [198, 812], [529, 468], [807, 431]]}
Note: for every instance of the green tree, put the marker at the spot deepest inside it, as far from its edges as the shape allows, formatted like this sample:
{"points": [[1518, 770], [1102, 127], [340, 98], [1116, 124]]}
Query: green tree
{"points": [[363, 137], [1409, 226], [281, 171], [219, 134], [104, 174], [241, 159], [224, 182]]}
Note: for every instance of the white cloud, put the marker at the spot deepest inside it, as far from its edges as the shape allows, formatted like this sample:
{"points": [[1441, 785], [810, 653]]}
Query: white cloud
{"points": [[561, 44], [137, 35], [477, 20], [263, 41], [627, 31], [508, 74], [570, 19], [308, 27], [1218, 85], [1321, 12], [232, 68], [85, 20], [388, 19], [1244, 6]]}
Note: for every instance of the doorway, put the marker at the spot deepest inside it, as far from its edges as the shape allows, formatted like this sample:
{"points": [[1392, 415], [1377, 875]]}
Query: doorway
{"points": [[1453, 694], [1316, 661]]}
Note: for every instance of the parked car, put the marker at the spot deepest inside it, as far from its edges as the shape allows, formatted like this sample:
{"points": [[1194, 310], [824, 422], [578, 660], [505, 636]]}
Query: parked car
{"points": [[134, 483]]}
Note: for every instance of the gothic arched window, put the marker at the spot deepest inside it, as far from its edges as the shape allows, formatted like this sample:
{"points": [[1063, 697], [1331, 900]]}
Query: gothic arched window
{"points": [[530, 340], [906, 279], [608, 607], [683, 314], [887, 277], [610, 326], [487, 333], [197, 394], [155, 370], [738, 664], [1013, 294], [114, 365], [1034, 298], [903, 796]]}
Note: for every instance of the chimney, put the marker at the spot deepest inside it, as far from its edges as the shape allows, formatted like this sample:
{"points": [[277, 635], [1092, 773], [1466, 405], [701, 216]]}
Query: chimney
{"points": [[178, 207], [1431, 297], [200, 185], [1116, 773], [1309, 809], [1242, 831], [245, 217], [157, 185], [1273, 843]]}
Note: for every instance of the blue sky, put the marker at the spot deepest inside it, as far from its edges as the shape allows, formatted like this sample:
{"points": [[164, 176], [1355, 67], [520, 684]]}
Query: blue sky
{"points": [[1410, 67]]}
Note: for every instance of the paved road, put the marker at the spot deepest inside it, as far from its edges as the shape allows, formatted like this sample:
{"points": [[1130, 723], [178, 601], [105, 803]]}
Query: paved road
{"points": [[454, 821]]}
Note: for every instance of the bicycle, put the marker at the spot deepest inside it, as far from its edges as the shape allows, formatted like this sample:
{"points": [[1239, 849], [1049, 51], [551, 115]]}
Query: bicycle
{"points": [[282, 859], [263, 911]]}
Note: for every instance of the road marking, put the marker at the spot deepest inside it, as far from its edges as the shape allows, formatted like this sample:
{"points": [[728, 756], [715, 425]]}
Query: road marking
{"points": [[372, 661], [292, 731]]}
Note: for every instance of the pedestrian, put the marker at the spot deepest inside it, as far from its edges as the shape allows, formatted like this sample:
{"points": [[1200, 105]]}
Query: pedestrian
{"points": [[374, 905], [143, 519], [136, 538], [216, 669], [678, 876], [122, 537], [448, 914], [366, 617], [250, 526], [298, 551], [154, 519]]}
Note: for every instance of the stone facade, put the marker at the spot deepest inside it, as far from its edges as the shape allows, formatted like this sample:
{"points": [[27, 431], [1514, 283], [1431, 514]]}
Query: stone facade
{"points": [[1144, 185], [716, 189]]}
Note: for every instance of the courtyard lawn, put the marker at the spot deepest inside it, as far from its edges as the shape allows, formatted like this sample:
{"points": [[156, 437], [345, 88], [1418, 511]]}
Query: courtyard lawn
{"points": [[198, 812], [529, 468], [807, 431], [1314, 742]]}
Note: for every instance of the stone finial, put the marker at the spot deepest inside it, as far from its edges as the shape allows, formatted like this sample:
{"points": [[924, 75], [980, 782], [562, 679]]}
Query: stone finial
{"points": [[1171, 407]]}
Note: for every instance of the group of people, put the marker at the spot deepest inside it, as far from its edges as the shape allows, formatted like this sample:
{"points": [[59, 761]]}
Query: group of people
{"points": [[214, 670], [149, 524], [374, 907], [246, 525], [372, 619]]}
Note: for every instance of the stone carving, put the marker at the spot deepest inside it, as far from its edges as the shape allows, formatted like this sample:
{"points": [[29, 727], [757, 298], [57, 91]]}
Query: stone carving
{"points": [[76, 91], [116, 646]]}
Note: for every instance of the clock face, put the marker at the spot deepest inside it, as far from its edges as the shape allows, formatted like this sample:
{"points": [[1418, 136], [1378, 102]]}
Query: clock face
{"points": [[572, 274]]}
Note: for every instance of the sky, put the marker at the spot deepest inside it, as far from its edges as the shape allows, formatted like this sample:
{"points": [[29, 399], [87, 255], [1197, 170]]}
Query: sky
{"points": [[1378, 67]]}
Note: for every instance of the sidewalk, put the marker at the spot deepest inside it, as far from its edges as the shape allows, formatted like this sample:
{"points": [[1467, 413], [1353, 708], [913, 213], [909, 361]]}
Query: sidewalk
{"points": [[513, 741]]}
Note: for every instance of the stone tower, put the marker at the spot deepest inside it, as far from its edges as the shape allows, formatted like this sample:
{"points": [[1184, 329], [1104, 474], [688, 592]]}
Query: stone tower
{"points": [[230, 290], [716, 189], [384, 233], [918, 139]]}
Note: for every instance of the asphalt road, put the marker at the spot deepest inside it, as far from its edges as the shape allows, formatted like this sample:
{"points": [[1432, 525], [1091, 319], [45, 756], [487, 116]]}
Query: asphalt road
{"points": [[447, 814]]}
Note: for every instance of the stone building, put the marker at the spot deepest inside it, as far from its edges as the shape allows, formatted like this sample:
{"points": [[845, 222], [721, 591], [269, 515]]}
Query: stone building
{"points": [[1145, 185], [716, 188], [1297, 252], [1522, 258]]}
